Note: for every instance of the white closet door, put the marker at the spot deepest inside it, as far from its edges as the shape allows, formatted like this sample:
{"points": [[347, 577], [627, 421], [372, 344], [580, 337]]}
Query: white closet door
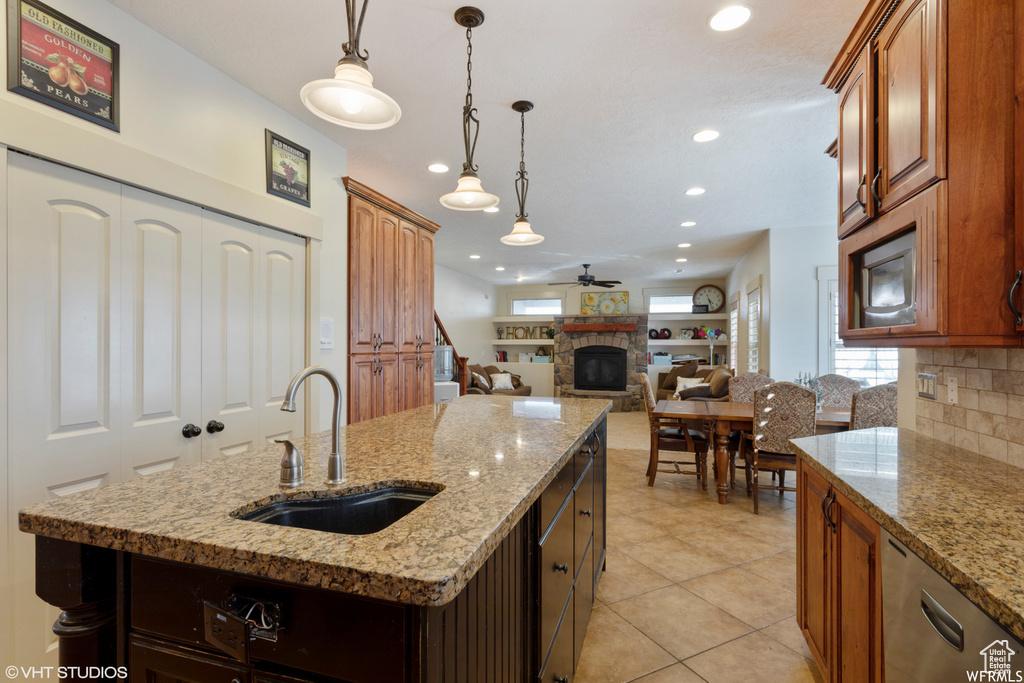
{"points": [[161, 332], [64, 301], [283, 268], [232, 312]]}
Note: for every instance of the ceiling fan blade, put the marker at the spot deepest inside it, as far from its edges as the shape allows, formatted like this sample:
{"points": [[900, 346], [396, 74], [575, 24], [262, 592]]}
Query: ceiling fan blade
{"points": [[550, 284], [603, 284], [610, 282]]}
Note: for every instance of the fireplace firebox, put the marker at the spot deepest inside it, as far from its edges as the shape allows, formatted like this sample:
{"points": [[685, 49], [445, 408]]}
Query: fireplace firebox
{"points": [[600, 368]]}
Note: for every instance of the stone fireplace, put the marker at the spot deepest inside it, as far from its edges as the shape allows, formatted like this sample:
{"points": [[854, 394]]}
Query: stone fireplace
{"points": [[601, 356]]}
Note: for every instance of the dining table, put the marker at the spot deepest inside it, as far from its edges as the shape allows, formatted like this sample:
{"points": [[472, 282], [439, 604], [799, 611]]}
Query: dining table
{"points": [[725, 417]]}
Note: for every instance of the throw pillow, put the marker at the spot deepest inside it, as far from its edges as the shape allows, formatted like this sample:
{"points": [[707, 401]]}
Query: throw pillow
{"points": [[719, 381], [699, 391], [683, 383], [669, 379], [502, 381], [480, 378]]}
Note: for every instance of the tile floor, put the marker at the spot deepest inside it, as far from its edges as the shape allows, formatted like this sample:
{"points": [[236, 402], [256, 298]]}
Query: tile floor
{"points": [[693, 591]]}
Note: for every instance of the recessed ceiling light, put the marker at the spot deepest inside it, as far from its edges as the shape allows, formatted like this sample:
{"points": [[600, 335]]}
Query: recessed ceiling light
{"points": [[729, 18], [694, 191], [680, 260], [492, 209], [705, 135], [500, 268], [684, 245], [437, 168], [474, 256], [688, 224]]}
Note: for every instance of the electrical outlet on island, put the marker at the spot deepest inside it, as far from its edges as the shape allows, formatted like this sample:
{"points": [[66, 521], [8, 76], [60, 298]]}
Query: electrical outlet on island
{"points": [[952, 385]]}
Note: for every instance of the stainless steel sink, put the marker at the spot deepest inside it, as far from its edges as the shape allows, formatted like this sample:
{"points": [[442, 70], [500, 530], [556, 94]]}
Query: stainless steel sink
{"points": [[357, 514]]}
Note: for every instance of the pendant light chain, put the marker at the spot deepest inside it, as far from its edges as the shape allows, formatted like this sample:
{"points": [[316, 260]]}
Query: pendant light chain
{"points": [[351, 48], [522, 182], [468, 111]]}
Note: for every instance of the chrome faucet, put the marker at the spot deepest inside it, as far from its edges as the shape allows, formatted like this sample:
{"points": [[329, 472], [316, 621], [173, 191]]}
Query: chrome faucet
{"points": [[335, 463]]}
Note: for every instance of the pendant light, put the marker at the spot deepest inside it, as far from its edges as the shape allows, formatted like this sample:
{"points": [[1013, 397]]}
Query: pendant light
{"points": [[522, 235], [469, 195], [349, 99]]}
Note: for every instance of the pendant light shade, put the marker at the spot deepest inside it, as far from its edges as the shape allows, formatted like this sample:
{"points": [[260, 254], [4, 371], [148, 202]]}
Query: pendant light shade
{"points": [[349, 99], [522, 235], [469, 194]]}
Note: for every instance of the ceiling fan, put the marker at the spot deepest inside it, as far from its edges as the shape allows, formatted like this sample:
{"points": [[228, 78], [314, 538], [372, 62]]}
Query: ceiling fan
{"points": [[586, 279]]}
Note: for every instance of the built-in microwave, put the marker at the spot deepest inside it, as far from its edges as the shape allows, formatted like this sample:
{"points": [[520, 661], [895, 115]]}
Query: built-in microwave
{"points": [[888, 277]]}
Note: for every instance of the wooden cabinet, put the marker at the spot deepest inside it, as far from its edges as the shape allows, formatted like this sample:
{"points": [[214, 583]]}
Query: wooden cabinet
{"points": [[153, 661], [839, 589], [926, 101], [391, 305]]}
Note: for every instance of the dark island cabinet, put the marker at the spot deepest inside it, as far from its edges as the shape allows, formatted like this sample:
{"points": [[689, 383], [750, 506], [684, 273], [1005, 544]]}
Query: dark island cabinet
{"points": [[521, 618]]}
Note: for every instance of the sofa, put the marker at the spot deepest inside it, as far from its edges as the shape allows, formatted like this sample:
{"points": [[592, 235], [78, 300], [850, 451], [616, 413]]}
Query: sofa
{"points": [[479, 382], [717, 380]]}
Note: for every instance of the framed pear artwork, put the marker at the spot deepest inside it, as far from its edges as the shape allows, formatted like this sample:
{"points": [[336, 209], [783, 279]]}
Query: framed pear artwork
{"points": [[53, 59]]}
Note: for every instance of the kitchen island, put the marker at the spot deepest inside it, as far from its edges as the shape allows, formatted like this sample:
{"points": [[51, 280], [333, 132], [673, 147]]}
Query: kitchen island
{"points": [[958, 511], [492, 578]]}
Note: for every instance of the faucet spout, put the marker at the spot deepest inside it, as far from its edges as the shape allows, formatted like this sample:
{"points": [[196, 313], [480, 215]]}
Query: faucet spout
{"points": [[335, 463]]}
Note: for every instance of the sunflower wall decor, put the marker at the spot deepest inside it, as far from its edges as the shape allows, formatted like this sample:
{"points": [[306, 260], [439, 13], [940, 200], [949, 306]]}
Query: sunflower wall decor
{"points": [[604, 303]]}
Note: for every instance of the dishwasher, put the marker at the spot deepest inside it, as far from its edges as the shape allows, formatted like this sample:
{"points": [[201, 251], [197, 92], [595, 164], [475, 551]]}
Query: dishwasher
{"points": [[933, 632]]}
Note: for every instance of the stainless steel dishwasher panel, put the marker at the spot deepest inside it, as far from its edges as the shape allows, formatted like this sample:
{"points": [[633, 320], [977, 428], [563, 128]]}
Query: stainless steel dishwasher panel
{"points": [[931, 631]]}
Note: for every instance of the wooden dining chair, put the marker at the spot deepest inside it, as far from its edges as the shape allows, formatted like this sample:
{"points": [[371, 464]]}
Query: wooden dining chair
{"points": [[676, 436], [741, 390], [874, 407], [837, 391], [782, 411]]}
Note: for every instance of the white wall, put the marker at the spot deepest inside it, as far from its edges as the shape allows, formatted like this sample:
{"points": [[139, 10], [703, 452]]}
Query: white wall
{"points": [[180, 109], [572, 298], [795, 254], [755, 263], [465, 306]]}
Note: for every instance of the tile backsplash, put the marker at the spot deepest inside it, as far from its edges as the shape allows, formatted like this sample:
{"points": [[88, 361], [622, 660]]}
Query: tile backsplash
{"points": [[989, 415]]}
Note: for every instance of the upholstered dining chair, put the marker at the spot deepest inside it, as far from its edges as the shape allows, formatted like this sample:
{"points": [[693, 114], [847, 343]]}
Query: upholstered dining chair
{"points": [[874, 407], [741, 390], [675, 436], [837, 391], [782, 411]]}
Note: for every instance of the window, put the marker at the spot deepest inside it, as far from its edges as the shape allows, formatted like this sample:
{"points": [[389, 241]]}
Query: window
{"points": [[734, 334], [536, 307], [868, 366], [678, 303], [753, 328]]}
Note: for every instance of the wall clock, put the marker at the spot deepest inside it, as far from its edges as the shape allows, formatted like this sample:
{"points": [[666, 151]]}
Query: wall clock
{"points": [[712, 296]]}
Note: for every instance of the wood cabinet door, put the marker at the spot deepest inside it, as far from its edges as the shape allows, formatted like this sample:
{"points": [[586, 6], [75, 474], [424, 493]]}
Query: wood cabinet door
{"points": [[911, 101], [408, 381], [856, 562], [363, 395], [857, 145], [410, 284], [362, 284], [153, 661], [388, 386], [426, 383], [813, 577], [425, 269], [387, 276]]}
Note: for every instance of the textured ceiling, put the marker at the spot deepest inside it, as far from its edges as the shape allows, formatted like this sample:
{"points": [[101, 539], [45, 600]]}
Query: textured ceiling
{"points": [[619, 88]]}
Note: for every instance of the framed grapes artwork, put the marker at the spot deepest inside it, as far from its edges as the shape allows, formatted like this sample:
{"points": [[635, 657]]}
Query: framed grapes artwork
{"points": [[287, 169]]}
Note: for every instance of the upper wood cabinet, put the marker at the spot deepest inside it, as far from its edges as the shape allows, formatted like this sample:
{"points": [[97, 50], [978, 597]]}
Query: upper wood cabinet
{"points": [[926, 151], [391, 305]]}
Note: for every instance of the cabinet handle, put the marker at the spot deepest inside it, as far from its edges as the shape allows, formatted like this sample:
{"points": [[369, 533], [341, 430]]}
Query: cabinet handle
{"points": [[1009, 298], [561, 679], [213, 426], [874, 189], [564, 568], [828, 512], [190, 430], [586, 513], [863, 184], [824, 498]]}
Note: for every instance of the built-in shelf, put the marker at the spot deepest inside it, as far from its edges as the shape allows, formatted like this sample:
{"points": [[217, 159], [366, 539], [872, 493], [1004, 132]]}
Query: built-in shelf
{"points": [[522, 342], [684, 342]]}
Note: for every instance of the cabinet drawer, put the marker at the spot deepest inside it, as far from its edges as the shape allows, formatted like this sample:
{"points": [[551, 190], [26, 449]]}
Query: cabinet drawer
{"points": [[554, 495], [558, 668], [583, 456], [557, 562], [583, 510], [152, 660], [583, 597]]}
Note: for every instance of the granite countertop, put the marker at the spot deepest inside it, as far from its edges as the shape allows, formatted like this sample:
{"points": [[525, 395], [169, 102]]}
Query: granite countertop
{"points": [[961, 512], [493, 456]]}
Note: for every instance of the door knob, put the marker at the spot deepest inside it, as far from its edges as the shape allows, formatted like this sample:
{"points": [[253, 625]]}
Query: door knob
{"points": [[214, 426], [190, 430]]}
